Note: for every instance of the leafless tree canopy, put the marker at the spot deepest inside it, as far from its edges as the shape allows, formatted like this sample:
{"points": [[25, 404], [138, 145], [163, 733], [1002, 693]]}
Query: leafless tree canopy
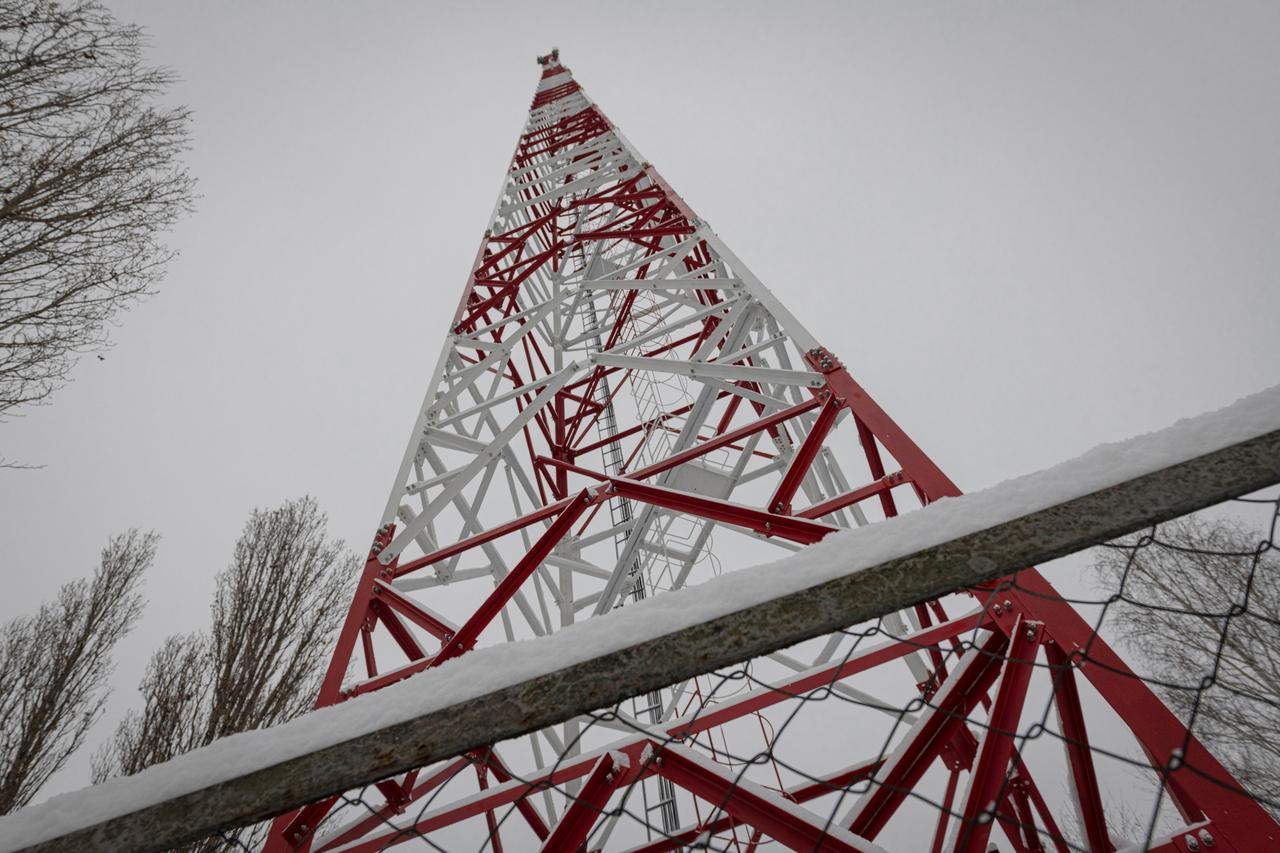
{"points": [[54, 667], [89, 177], [275, 612], [1206, 585]]}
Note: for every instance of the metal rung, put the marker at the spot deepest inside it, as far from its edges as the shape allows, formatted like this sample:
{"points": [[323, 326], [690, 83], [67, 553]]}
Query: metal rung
{"points": [[667, 551]]}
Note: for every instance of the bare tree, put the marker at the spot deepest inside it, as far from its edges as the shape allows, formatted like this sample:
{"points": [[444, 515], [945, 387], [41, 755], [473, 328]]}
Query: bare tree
{"points": [[89, 177], [275, 612], [54, 667], [1201, 614]]}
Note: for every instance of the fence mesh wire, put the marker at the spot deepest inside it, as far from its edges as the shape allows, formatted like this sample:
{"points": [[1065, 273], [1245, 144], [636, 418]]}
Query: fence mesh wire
{"points": [[1192, 606]]}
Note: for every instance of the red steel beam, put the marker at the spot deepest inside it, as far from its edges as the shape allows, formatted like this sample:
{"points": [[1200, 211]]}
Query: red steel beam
{"points": [[575, 824], [491, 821], [780, 502], [858, 495], [803, 793], [1066, 696], [933, 730], [924, 472], [699, 449], [989, 778], [526, 808], [723, 439], [481, 538], [383, 815], [944, 812], [800, 530], [403, 636], [409, 609], [467, 635], [331, 686], [759, 807]]}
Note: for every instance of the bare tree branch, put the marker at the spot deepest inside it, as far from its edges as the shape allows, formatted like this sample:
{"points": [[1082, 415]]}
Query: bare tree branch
{"points": [[275, 612], [54, 667], [1201, 612], [89, 179]]}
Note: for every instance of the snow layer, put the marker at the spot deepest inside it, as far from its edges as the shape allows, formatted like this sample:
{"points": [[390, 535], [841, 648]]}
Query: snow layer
{"points": [[489, 669]]}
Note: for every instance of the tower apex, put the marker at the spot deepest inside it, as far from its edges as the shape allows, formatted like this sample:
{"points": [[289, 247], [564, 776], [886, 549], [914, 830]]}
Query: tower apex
{"points": [[550, 58]]}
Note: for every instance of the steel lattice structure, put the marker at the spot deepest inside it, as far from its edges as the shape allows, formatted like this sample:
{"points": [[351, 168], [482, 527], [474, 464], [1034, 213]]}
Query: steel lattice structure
{"points": [[620, 407]]}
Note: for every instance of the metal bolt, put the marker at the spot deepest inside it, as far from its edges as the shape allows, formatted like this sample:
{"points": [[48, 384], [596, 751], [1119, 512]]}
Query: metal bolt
{"points": [[1206, 838], [1008, 605], [996, 609], [1031, 634], [1191, 842]]}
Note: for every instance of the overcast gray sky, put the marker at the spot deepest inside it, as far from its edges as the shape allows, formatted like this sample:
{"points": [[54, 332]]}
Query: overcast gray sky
{"points": [[1027, 229]]}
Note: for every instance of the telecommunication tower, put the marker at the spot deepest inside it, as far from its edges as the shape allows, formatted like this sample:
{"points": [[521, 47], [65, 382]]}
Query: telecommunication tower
{"points": [[619, 409]]}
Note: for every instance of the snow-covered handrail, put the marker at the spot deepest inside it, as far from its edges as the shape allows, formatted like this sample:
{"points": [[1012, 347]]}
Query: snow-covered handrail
{"points": [[498, 693]]}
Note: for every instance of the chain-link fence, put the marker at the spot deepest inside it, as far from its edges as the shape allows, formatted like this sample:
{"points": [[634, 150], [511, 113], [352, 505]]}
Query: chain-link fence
{"points": [[1011, 738]]}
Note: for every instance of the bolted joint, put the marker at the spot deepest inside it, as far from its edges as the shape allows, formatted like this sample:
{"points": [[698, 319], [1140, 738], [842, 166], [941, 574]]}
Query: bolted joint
{"points": [[821, 360]]}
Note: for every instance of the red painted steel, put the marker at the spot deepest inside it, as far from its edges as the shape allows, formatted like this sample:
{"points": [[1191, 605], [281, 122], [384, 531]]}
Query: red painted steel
{"points": [[576, 194], [798, 469], [766, 810], [799, 530], [467, 635], [933, 732], [571, 832], [799, 794], [990, 775], [1084, 779]]}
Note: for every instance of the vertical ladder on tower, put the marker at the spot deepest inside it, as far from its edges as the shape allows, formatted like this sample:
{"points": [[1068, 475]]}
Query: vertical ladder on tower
{"points": [[620, 515]]}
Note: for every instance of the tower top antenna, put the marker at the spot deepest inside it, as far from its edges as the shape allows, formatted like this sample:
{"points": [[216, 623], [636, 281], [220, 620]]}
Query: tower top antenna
{"points": [[550, 58]]}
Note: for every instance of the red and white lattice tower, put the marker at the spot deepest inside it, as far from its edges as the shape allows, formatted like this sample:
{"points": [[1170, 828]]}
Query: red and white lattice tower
{"points": [[620, 408]]}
